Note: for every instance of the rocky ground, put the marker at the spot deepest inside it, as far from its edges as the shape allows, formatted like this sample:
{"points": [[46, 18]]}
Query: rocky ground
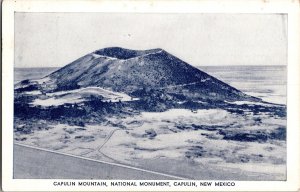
{"points": [[212, 138]]}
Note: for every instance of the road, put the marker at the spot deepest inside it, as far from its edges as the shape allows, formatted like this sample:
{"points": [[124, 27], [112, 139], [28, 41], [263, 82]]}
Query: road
{"points": [[35, 163], [105, 141]]}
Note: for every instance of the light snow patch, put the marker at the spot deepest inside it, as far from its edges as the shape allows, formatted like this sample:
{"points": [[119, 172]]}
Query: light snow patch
{"points": [[248, 103], [43, 80], [103, 56], [175, 113], [33, 92], [56, 102], [204, 80], [77, 96]]}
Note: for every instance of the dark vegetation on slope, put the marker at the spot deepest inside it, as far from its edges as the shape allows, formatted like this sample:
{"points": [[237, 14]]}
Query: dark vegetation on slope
{"points": [[133, 72], [160, 80]]}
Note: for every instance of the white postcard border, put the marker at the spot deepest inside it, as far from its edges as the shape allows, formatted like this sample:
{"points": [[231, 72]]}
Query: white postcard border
{"points": [[221, 6]]}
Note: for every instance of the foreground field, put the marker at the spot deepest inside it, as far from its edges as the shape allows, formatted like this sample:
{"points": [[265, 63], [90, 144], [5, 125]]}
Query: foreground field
{"points": [[30, 164], [202, 144]]}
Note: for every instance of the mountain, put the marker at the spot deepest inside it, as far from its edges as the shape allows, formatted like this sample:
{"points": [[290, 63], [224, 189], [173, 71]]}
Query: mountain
{"points": [[135, 73]]}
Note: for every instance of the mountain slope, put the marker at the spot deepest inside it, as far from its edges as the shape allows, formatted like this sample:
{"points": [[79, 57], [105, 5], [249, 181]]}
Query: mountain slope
{"points": [[131, 72]]}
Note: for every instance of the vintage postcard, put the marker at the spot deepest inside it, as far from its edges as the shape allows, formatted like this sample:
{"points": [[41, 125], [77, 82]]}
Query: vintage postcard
{"points": [[150, 95]]}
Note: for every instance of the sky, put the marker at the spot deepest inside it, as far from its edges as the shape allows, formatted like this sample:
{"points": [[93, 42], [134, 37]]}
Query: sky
{"points": [[200, 39]]}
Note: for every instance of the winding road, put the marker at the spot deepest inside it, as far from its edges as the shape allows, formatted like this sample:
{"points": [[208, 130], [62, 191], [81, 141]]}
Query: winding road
{"points": [[105, 141]]}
